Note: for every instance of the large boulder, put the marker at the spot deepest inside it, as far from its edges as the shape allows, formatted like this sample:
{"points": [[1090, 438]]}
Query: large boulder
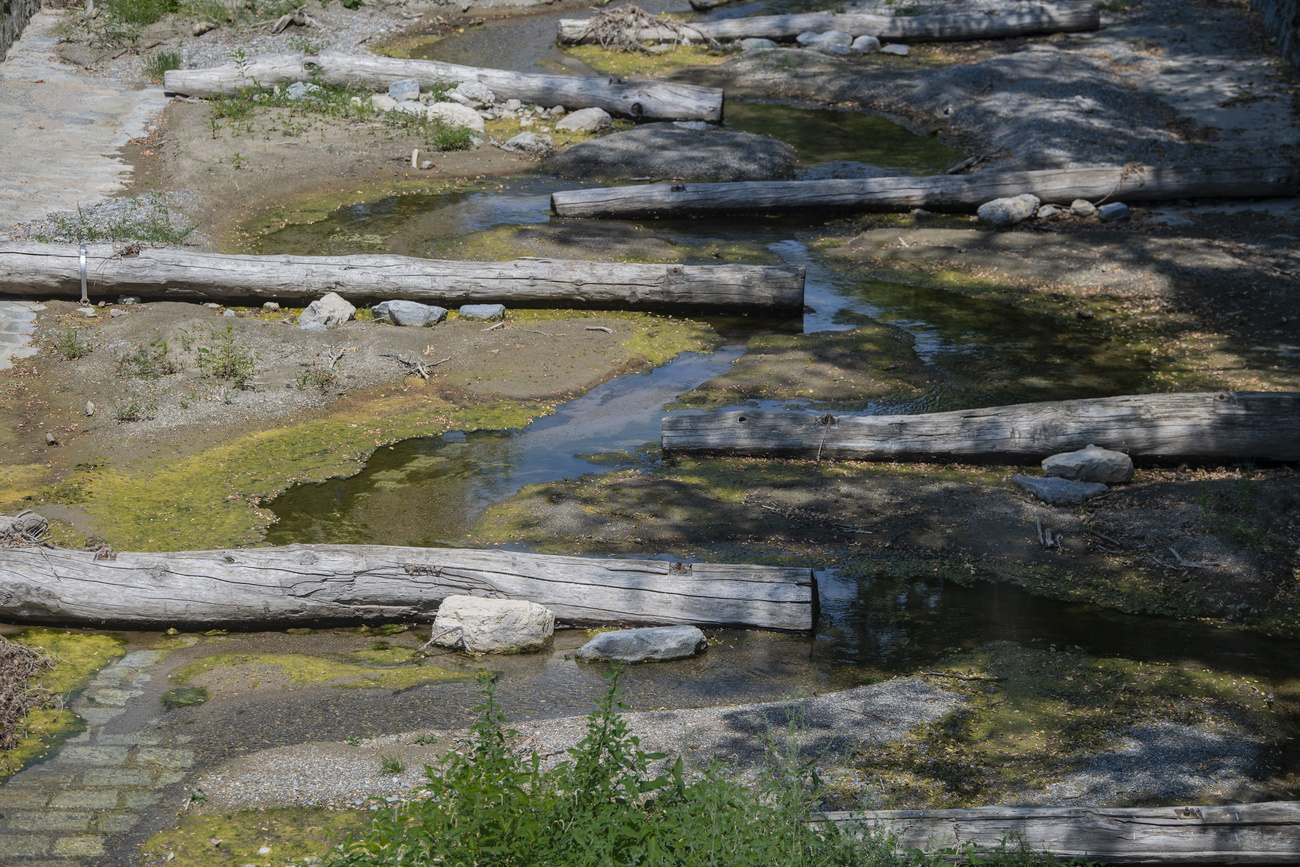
{"points": [[644, 645], [477, 625], [328, 311], [457, 115], [1059, 492], [1092, 464], [411, 313], [665, 150], [1010, 210]]}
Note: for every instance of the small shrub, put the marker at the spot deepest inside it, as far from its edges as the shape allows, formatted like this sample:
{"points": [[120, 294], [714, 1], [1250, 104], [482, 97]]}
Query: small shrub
{"points": [[227, 357], [69, 345], [157, 65]]}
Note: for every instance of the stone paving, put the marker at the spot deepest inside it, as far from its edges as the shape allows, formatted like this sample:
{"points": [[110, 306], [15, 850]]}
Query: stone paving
{"points": [[17, 324], [66, 810]]}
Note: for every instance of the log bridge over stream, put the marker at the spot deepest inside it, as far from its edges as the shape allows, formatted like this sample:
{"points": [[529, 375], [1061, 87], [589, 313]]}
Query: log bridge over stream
{"points": [[254, 588]]}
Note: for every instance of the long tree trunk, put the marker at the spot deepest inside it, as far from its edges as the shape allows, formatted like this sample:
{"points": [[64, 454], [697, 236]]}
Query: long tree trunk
{"points": [[1266, 833], [336, 583], [27, 268], [938, 193], [937, 27], [1226, 425], [659, 100]]}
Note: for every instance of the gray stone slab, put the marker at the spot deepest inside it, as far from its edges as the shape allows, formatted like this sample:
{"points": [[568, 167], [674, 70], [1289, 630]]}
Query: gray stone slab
{"points": [[165, 758], [45, 820], [1059, 492], [24, 845], [117, 777], [80, 846]]}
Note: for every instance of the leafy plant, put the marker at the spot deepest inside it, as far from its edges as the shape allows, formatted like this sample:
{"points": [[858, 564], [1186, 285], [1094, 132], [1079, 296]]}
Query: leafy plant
{"points": [[136, 410], [426, 739], [68, 344], [227, 357]]}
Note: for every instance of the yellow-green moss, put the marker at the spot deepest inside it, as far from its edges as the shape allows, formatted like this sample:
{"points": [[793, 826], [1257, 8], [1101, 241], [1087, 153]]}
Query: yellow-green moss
{"points": [[212, 499], [265, 670], [19, 482], [202, 839], [78, 656], [653, 65]]}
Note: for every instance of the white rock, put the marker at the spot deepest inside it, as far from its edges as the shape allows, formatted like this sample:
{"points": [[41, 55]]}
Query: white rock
{"points": [[894, 48], [455, 114], [475, 94], [1092, 464], [1112, 212], [411, 313], [866, 45], [1048, 211], [327, 311], [1059, 492], [1082, 208], [407, 88], [299, 90], [530, 143], [645, 645], [383, 102], [1010, 210], [557, 111], [90, 408], [477, 625], [513, 105], [585, 120], [756, 42], [86, 311]]}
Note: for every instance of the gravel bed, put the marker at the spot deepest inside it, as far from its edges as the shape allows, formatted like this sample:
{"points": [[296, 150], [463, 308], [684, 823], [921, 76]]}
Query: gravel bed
{"points": [[828, 727], [109, 220]]}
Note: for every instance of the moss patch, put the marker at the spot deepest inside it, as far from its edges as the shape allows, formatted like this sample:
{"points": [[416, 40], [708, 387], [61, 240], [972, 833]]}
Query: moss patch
{"points": [[212, 499], [78, 656], [294, 835], [18, 483], [225, 673], [1034, 714], [654, 65], [841, 369]]}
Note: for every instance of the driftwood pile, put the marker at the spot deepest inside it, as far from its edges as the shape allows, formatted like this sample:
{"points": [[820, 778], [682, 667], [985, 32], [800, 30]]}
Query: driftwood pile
{"points": [[18, 665]]}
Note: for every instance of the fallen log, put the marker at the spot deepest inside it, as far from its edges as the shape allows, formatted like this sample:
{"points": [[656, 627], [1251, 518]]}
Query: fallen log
{"points": [[1266, 833], [338, 583], [171, 273], [935, 27], [1222, 426], [636, 98], [1131, 183]]}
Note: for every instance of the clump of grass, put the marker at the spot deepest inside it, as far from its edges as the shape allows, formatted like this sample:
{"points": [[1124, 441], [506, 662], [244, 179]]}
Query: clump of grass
{"points": [[133, 411], [147, 362], [159, 64], [150, 221], [68, 344], [486, 805], [391, 765]]}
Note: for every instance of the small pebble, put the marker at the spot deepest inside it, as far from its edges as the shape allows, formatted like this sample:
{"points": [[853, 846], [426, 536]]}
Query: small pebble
{"points": [[212, 305], [90, 408], [51, 439], [270, 305]]}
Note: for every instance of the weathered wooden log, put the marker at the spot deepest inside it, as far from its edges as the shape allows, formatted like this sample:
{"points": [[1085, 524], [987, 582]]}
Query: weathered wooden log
{"points": [[637, 98], [335, 583], [936, 193], [1222, 426], [936, 27], [171, 273], [1266, 833]]}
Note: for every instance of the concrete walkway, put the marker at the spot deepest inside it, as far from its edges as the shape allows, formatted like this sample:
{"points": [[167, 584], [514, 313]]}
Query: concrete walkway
{"points": [[61, 129]]}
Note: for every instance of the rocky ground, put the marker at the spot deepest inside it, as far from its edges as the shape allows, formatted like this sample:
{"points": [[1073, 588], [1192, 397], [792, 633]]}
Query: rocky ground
{"points": [[1203, 292]]}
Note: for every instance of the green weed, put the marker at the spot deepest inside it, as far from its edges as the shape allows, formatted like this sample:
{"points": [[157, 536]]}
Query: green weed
{"points": [[151, 222], [68, 344], [136, 410], [391, 765], [225, 356], [147, 362], [157, 65]]}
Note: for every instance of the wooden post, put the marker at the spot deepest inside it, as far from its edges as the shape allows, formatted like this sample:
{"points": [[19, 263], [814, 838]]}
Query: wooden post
{"points": [[937, 193], [171, 273], [255, 587], [1221, 426], [655, 100]]}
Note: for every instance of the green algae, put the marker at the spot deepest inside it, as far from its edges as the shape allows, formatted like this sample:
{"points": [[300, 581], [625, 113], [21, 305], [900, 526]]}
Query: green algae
{"points": [[241, 671], [656, 65], [1032, 715], [212, 499], [203, 838], [78, 657], [184, 696]]}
